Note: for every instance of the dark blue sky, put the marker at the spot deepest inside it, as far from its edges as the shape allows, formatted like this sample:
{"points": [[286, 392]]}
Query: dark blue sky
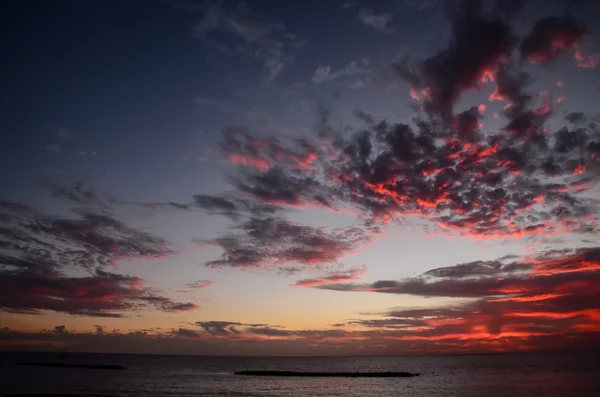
{"points": [[123, 78]]}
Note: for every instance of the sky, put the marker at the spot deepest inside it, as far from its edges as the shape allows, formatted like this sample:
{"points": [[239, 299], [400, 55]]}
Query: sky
{"points": [[300, 178]]}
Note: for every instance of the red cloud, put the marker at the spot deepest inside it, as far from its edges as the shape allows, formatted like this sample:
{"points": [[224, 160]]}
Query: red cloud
{"points": [[243, 148], [554, 295], [257, 163], [37, 250], [100, 295], [586, 61], [550, 37]]}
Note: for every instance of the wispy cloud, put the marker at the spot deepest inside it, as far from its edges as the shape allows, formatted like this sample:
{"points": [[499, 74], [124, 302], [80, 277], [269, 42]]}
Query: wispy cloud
{"points": [[199, 284], [61, 132], [226, 205], [265, 39], [347, 4], [324, 73], [77, 193], [52, 148], [379, 22]]}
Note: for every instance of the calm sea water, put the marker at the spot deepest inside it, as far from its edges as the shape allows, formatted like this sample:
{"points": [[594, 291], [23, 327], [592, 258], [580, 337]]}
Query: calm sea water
{"points": [[549, 375]]}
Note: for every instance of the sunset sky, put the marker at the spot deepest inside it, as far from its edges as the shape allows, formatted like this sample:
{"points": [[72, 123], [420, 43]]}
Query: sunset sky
{"points": [[300, 178]]}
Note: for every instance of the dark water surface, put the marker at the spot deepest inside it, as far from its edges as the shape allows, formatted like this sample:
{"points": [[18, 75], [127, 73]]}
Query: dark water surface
{"points": [[573, 374]]}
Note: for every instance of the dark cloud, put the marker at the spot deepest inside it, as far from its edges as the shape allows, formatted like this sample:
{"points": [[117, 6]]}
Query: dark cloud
{"points": [[332, 278], [102, 294], [226, 205], [570, 139], [88, 239], [166, 304], [224, 328], [188, 333], [477, 45], [447, 170], [456, 176], [80, 296], [278, 187], [540, 299], [37, 252], [275, 242], [550, 37], [468, 123], [473, 187], [275, 173], [575, 117], [85, 196], [317, 335], [461, 180], [287, 271], [536, 276], [473, 269], [510, 86]]}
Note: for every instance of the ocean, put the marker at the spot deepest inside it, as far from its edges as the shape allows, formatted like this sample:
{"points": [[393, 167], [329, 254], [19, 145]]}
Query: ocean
{"points": [[573, 374]]}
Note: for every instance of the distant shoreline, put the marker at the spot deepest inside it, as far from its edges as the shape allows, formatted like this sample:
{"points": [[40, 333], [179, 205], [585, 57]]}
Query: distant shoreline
{"points": [[329, 374]]}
